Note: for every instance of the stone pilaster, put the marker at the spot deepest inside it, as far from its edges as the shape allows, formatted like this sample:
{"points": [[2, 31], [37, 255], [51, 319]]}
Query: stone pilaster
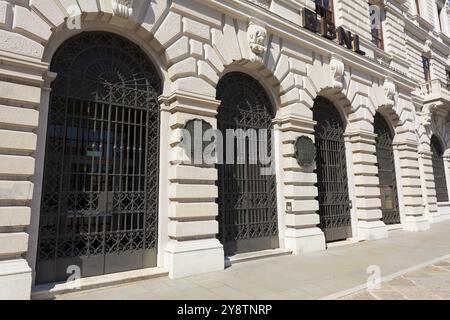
{"points": [[444, 208], [366, 186], [445, 20], [20, 96], [39, 156], [192, 210], [300, 205], [428, 186], [412, 203]]}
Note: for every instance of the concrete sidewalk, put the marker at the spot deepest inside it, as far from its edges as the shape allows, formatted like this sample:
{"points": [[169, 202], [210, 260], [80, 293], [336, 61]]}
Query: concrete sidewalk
{"points": [[429, 283], [334, 273]]}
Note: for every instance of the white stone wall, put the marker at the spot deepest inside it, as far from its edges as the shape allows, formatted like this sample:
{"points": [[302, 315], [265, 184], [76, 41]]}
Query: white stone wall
{"points": [[193, 44], [354, 14], [394, 32], [414, 51]]}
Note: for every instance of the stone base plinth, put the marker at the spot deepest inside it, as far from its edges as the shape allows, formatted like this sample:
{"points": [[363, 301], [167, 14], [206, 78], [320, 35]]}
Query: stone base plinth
{"points": [[372, 230], [15, 280], [416, 223], [444, 209], [433, 217], [302, 241], [187, 258]]}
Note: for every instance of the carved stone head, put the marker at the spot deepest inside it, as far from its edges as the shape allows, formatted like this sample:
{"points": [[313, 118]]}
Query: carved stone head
{"points": [[337, 69], [427, 47], [389, 92], [427, 115], [257, 40]]}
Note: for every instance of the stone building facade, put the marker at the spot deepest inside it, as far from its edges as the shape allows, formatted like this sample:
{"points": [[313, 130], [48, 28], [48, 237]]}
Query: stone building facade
{"points": [[380, 90]]}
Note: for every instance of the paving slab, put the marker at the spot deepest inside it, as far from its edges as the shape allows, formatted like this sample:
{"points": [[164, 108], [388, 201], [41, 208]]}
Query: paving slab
{"points": [[339, 272]]}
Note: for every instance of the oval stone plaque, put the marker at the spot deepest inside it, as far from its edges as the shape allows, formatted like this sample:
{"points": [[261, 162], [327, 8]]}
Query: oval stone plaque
{"points": [[196, 129], [305, 151]]}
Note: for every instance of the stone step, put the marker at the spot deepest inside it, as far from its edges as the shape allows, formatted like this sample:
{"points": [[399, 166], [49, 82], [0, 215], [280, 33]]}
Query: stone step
{"points": [[50, 291], [249, 256]]}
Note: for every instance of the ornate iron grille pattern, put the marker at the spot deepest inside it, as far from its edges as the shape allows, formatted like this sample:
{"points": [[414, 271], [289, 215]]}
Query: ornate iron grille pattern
{"points": [[100, 189], [439, 170], [386, 170], [334, 202], [247, 199]]}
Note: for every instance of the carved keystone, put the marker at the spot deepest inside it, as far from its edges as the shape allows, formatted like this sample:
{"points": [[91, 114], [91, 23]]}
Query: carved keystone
{"points": [[337, 72], [123, 8], [257, 40], [389, 92]]}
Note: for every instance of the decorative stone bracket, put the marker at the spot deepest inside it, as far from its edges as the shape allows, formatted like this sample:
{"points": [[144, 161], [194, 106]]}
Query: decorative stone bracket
{"points": [[427, 47], [257, 40], [427, 115], [389, 92], [123, 8], [337, 72]]}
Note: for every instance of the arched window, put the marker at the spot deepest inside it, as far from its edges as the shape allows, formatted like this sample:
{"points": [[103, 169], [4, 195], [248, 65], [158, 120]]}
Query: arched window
{"points": [[334, 201], [386, 171], [440, 180], [376, 24], [99, 205], [247, 200]]}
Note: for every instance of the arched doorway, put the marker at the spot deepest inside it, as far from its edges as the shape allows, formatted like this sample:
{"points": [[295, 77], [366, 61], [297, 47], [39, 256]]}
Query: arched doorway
{"points": [[386, 171], [332, 184], [439, 170], [247, 197], [99, 205]]}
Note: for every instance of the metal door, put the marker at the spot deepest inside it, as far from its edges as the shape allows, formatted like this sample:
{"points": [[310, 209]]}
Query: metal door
{"points": [[439, 170], [334, 202], [247, 198], [99, 203], [386, 171]]}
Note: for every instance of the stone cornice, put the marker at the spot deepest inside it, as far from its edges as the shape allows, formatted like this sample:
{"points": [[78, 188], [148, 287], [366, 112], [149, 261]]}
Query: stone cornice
{"points": [[445, 38], [405, 144], [361, 136], [435, 56], [12, 68], [49, 77], [423, 28], [261, 3], [424, 34], [399, 4], [182, 101], [399, 11], [425, 154], [295, 123], [23, 61]]}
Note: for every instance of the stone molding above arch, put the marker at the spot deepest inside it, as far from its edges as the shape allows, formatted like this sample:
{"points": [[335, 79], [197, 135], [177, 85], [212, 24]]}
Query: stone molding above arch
{"points": [[427, 114], [196, 44], [388, 103], [329, 78], [431, 122], [397, 105], [150, 24], [43, 19]]}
